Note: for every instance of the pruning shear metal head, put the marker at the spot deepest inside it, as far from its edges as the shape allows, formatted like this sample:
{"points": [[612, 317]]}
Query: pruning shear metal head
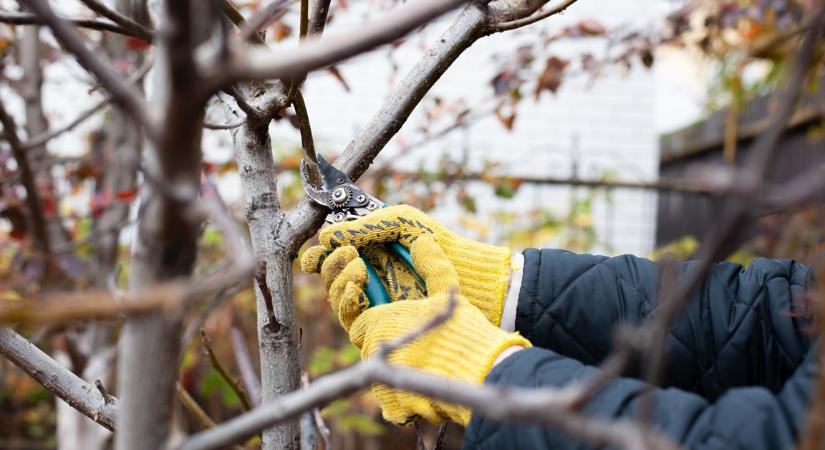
{"points": [[345, 200]]}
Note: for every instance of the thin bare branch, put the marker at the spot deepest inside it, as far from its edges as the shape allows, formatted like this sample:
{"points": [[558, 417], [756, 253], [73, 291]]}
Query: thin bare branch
{"points": [[17, 18], [127, 23], [304, 126], [440, 437], [523, 22], [193, 407], [317, 418], [27, 176], [224, 373], [388, 119], [260, 279], [45, 137], [319, 9], [122, 95], [263, 64], [249, 376], [250, 29], [233, 14], [224, 126], [546, 407], [99, 304]]}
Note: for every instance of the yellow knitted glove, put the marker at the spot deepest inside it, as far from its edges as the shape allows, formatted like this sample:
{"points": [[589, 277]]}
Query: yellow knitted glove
{"points": [[345, 275], [463, 348], [483, 269], [399, 280]]}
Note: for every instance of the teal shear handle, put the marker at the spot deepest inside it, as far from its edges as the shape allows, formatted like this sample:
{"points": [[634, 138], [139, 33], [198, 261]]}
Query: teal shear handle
{"points": [[375, 290]]}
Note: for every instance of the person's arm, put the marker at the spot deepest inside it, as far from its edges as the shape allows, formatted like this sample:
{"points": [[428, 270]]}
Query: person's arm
{"points": [[752, 418], [742, 327]]}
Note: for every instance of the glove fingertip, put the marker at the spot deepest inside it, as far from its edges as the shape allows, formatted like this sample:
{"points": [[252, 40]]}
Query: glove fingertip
{"points": [[313, 258], [353, 302]]}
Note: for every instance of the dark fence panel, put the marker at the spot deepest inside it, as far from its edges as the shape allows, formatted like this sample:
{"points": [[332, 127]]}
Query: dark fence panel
{"points": [[687, 150]]}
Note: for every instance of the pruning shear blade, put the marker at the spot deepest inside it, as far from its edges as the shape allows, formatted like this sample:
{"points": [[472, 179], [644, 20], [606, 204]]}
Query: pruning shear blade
{"points": [[339, 193]]}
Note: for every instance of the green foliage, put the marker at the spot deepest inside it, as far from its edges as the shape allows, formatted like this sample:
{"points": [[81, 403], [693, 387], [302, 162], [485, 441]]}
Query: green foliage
{"points": [[214, 384]]}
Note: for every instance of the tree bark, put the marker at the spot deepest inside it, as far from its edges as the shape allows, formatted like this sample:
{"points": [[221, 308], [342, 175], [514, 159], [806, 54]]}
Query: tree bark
{"points": [[166, 242], [119, 153], [277, 331], [69, 387]]}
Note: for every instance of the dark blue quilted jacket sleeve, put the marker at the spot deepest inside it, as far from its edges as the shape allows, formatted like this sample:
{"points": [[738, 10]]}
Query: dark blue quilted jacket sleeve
{"points": [[746, 418], [743, 327]]}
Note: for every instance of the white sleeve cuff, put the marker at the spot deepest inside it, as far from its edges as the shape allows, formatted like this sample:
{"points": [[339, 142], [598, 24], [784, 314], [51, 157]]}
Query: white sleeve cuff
{"points": [[508, 315]]}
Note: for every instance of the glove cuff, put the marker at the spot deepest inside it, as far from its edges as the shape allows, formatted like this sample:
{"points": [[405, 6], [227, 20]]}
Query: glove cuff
{"points": [[484, 271], [470, 347]]}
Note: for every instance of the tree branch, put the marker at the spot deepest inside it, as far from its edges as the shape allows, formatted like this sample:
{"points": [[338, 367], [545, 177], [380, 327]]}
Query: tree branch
{"points": [[79, 394], [250, 380], [224, 373], [548, 407], [385, 123], [16, 18], [249, 29], [263, 64], [121, 93], [46, 137], [27, 176], [126, 22], [523, 22]]}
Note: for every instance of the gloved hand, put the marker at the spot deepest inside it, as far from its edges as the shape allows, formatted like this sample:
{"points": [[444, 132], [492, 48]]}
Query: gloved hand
{"points": [[463, 348], [483, 269], [399, 280], [345, 275]]}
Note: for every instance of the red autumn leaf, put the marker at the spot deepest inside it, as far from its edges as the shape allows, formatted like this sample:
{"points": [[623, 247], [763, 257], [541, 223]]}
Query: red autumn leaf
{"points": [[127, 195], [551, 78], [137, 44], [49, 205]]}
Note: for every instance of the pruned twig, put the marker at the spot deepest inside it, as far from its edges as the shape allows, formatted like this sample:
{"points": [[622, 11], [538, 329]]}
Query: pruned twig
{"points": [[260, 279]]}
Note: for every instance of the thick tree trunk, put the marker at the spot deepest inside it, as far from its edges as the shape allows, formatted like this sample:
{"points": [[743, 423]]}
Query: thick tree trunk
{"points": [[277, 331], [166, 243]]}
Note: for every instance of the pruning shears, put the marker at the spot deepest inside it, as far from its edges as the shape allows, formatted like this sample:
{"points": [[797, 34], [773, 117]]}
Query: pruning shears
{"points": [[346, 201]]}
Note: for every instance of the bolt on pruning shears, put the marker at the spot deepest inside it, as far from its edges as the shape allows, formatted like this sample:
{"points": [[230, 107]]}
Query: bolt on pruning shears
{"points": [[346, 201]]}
